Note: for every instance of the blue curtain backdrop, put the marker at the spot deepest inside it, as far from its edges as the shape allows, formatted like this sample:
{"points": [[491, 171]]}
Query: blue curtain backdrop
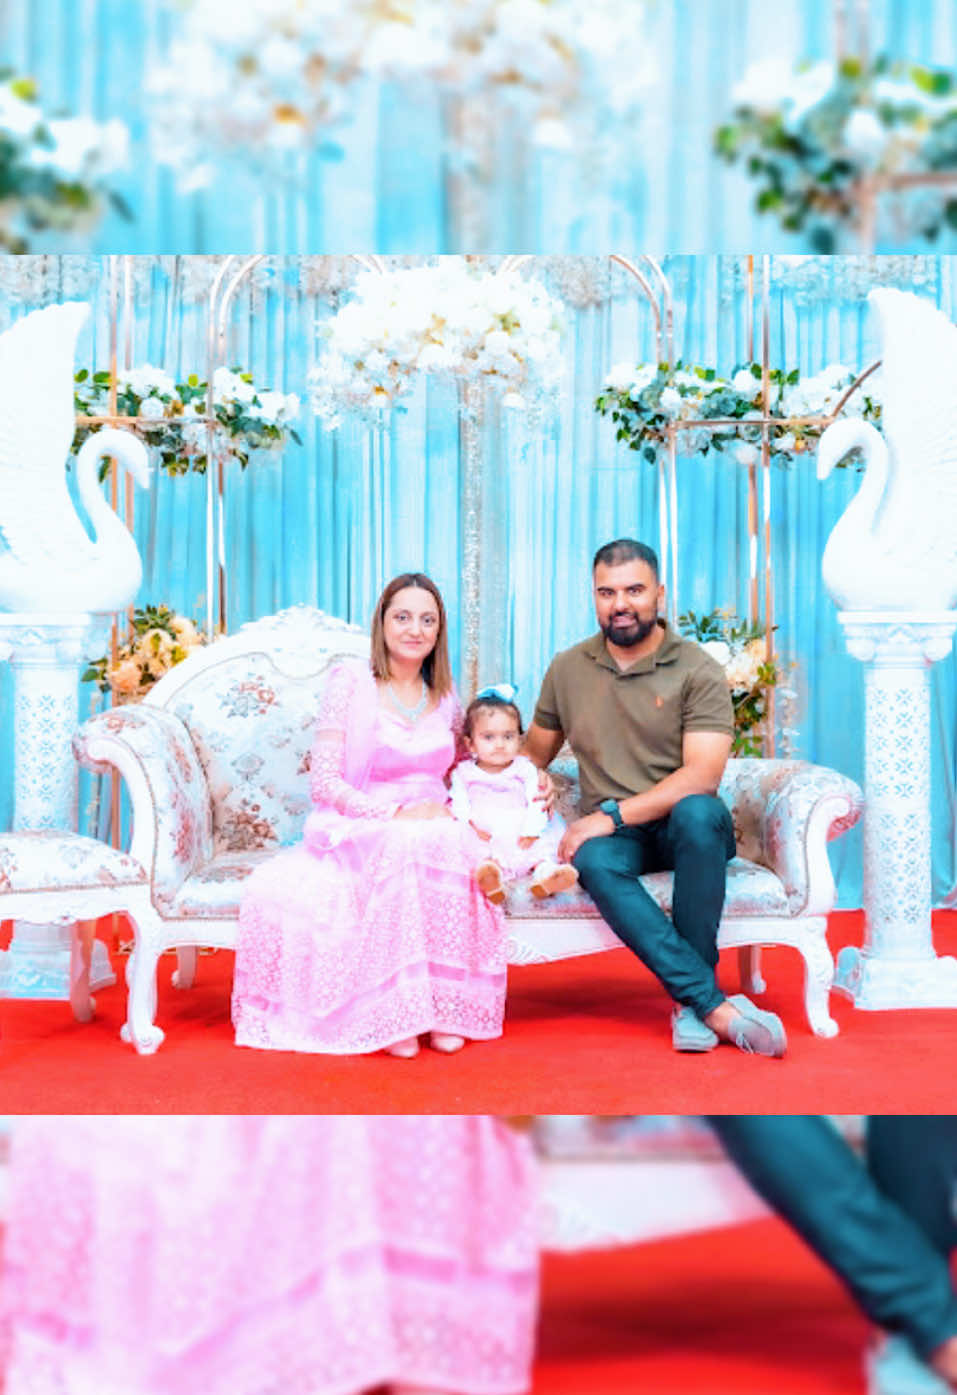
{"points": [[330, 521], [659, 188]]}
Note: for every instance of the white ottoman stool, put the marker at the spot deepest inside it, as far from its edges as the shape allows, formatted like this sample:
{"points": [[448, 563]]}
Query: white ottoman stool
{"points": [[55, 878]]}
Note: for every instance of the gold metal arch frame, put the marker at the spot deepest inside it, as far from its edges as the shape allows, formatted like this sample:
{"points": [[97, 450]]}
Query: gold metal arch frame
{"points": [[230, 276], [122, 327], [760, 536]]}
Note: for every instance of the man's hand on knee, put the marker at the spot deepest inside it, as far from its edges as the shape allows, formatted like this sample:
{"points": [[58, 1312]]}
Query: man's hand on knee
{"points": [[597, 825]]}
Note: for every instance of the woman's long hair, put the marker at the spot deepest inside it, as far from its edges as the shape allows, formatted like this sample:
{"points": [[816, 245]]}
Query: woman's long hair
{"points": [[436, 669]]}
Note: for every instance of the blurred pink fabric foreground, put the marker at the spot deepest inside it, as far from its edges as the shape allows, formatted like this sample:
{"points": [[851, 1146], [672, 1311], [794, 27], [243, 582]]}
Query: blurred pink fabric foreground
{"points": [[372, 929], [269, 1256]]}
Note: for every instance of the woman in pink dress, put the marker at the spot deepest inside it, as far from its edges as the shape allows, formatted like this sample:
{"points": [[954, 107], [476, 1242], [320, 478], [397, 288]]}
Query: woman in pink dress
{"points": [[372, 931], [269, 1256]]}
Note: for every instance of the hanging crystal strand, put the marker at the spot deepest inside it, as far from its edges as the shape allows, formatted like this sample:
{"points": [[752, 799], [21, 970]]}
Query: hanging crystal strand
{"points": [[469, 161], [471, 404]]}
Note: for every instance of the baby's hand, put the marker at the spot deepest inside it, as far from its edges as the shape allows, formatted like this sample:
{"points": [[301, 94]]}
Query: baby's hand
{"points": [[526, 842], [485, 837]]}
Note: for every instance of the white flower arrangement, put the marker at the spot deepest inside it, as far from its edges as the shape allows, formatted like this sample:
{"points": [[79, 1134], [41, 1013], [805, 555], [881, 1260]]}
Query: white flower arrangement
{"points": [[157, 640], [249, 418], [453, 320], [271, 76], [54, 170], [741, 650], [645, 399], [811, 133]]}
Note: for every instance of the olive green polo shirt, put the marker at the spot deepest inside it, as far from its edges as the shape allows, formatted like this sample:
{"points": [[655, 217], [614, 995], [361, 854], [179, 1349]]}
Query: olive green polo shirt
{"points": [[625, 726]]}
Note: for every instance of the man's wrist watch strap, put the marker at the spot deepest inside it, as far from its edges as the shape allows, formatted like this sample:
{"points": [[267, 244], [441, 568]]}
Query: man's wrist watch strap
{"points": [[612, 808]]}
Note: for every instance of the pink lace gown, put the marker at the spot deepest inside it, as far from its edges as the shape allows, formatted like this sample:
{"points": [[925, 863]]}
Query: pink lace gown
{"points": [[372, 929], [268, 1256]]}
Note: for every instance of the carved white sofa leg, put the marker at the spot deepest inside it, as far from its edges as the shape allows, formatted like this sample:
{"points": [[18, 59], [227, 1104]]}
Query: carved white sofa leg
{"points": [[818, 975], [184, 974], [81, 955], [749, 969], [140, 1030]]}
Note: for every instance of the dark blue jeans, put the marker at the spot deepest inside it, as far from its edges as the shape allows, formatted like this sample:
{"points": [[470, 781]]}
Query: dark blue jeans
{"points": [[886, 1230], [695, 841]]}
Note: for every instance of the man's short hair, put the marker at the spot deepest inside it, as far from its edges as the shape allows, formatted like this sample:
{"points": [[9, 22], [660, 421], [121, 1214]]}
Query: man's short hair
{"points": [[626, 550]]}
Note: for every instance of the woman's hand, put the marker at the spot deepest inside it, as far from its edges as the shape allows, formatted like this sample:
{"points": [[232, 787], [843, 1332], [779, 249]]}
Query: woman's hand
{"points": [[526, 842], [485, 836], [546, 792], [424, 809]]}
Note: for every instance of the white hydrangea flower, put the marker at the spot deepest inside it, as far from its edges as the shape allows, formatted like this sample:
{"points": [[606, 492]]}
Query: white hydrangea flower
{"points": [[745, 383], [147, 379], [152, 409], [865, 134], [719, 649]]}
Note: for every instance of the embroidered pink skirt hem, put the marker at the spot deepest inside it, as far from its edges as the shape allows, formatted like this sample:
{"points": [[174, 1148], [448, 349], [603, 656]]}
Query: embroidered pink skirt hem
{"points": [[379, 937], [268, 1256]]}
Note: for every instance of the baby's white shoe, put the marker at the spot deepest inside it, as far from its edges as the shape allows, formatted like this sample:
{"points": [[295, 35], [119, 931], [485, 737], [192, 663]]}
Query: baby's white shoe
{"points": [[552, 877]]}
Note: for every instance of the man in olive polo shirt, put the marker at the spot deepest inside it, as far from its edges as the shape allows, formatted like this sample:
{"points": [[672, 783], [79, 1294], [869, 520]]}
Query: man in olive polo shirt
{"points": [[649, 718]]}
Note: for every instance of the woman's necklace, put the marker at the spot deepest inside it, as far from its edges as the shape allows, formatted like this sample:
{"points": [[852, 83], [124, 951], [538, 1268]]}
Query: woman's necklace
{"points": [[411, 714]]}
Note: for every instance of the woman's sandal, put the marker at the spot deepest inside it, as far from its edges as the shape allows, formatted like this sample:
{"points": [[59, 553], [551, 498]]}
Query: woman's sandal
{"points": [[406, 1049], [488, 875], [445, 1041]]}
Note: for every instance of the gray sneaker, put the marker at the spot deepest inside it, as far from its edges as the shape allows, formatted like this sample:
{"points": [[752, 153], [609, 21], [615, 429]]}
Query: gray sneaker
{"points": [[689, 1033], [894, 1368], [755, 1030]]}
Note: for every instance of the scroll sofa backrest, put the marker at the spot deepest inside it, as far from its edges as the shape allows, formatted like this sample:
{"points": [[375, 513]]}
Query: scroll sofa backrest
{"points": [[741, 789], [250, 703]]}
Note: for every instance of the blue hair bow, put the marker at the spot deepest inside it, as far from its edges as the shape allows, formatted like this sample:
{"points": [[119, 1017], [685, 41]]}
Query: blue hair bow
{"points": [[504, 691]]}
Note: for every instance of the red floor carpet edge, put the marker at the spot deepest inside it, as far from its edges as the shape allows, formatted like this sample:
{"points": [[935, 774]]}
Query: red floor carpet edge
{"points": [[584, 1036], [745, 1310]]}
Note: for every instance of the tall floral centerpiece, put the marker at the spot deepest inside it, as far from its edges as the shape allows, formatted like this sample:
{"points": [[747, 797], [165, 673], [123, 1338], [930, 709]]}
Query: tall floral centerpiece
{"points": [[270, 77], [455, 320], [811, 134]]}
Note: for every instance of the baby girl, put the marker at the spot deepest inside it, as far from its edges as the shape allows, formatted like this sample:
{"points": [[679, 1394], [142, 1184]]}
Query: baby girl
{"points": [[495, 792]]}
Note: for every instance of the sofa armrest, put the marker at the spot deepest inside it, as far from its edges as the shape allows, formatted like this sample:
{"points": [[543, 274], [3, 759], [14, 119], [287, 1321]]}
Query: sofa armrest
{"points": [[172, 818], [785, 813]]}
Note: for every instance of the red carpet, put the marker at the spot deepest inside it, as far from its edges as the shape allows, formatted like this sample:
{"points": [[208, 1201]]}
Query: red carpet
{"points": [[740, 1311], [586, 1036]]}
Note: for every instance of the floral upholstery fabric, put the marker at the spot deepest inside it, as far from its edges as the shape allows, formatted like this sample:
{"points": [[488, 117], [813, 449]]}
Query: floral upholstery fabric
{"points": [[253, 728], [178, 816], [752, 891], [53, 861], [215, 891], [772, 803]]}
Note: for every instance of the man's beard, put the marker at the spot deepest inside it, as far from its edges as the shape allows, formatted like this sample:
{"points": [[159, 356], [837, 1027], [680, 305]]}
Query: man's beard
{"points": [[629, 638]]}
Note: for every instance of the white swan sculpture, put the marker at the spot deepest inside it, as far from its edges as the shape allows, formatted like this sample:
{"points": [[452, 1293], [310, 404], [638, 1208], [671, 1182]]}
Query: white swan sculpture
{"points": [[49, 562], [895, 545]]}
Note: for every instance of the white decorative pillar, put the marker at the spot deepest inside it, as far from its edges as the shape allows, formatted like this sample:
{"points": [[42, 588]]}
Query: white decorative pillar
{"points": [[897, 966], [45, 652]]}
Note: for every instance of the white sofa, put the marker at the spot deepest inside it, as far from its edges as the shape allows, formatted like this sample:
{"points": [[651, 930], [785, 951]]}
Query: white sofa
{"points": [[215, 760]]}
